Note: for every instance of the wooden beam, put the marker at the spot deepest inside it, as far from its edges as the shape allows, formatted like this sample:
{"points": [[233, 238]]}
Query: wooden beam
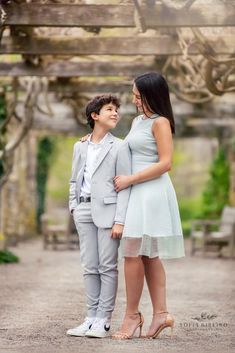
{"points": [[83, 87], [58, 15], [70, 15], [79, 69], [97, 87], [159, 45]]}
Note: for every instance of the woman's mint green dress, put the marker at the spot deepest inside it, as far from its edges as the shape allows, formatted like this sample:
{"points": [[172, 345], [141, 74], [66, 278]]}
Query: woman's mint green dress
{"points": [[152, 227]]}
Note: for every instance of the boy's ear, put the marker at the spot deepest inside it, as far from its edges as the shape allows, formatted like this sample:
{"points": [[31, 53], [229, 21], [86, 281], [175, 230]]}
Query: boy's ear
{"points": [[94, 116]]}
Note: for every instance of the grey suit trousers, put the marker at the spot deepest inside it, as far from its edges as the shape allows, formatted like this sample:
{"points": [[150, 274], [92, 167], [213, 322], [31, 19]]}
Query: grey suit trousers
{"points": [[99, 257]]}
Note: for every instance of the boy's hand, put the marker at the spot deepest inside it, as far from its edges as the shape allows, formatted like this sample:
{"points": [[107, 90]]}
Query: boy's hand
{"points": [[84, 138], [117, 230]]}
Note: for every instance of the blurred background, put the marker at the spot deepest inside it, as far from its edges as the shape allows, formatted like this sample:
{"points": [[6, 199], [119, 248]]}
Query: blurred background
{"points": [[56, 55]]}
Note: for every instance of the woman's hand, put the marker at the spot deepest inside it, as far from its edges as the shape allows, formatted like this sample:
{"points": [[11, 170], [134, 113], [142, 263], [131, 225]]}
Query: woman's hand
{"points": [[84, 138], [122, 182]]}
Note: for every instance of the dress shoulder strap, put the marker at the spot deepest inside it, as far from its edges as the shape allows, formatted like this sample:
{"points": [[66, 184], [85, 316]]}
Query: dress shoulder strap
{"points": [[154, 116]]}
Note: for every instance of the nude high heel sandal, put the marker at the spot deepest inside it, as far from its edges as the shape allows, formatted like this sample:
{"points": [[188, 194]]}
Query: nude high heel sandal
{"points": [[122, 335], [169, 322]]}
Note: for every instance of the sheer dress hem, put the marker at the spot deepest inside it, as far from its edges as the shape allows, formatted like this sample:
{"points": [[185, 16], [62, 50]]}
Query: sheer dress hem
{"points": [[164, 247]]}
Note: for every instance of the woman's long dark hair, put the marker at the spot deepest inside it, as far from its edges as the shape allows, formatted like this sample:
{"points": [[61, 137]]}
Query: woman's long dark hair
{"points": [[154, 94]]}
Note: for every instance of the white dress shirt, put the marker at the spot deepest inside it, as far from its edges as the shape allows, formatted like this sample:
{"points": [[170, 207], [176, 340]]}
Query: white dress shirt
{"points": [[93, 151]]}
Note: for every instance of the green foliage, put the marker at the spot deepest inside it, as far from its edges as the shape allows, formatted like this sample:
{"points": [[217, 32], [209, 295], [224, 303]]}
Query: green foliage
{"points": [[60, 172], [214, 197], [2, 108], [7, 256], [190, 208], [216, 194], [46, 151], [180, 158]]}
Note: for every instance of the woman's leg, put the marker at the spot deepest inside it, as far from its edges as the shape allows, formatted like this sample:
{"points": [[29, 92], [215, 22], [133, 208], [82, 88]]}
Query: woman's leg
{"points": [[156, 281], [134, 279]]}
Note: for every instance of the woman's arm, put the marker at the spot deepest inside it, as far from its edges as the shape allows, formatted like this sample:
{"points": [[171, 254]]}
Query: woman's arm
{"points": [[162, 132], [84, 138]]}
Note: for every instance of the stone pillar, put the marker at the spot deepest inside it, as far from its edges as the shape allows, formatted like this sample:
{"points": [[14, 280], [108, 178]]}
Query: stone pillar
{"points": [[18, 196]]}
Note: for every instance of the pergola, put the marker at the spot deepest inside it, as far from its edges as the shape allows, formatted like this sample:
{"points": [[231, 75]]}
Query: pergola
{"points": [[72, 49]]}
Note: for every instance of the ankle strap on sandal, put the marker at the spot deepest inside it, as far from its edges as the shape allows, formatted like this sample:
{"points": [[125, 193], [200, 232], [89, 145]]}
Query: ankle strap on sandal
{"points": [[134, 314], [160, 312]]}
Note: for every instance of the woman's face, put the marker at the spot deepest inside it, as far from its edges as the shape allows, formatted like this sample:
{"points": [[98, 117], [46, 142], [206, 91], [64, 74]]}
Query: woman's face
{"points": [[137, 99], [141, 106]]}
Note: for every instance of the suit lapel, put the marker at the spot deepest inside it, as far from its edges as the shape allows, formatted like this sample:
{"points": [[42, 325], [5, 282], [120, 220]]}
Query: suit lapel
{"points": [[83, 151], [108, 144]]}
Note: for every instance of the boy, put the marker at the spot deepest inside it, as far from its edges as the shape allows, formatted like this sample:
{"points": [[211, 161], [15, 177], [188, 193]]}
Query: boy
{"points": [[99, 212]]}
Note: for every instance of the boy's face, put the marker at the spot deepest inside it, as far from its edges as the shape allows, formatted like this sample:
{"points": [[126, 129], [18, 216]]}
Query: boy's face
{"points": [[108, 116]]}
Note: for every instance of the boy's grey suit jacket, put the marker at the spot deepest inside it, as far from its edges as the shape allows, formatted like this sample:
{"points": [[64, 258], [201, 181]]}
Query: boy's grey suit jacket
{"points": [[107, 206]]}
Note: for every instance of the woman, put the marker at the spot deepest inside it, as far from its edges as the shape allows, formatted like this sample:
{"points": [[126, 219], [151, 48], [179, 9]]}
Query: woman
{"points": [[152, 228]]}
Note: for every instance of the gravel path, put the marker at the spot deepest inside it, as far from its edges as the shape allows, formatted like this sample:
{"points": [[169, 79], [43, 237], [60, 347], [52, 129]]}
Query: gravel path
{"points": [[42, 296]]}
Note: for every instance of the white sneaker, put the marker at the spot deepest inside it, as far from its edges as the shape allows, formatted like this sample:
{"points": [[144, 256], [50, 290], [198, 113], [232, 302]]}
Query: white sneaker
{"points": [[100, 328], [81, 330]]}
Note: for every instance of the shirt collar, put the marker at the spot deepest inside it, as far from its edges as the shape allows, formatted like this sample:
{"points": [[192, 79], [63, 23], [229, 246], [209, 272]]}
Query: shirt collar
{"points": [[100, 143]]}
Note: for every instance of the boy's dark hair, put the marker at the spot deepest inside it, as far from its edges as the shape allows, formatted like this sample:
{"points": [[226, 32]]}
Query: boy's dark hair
{"points": [[97, 103]]}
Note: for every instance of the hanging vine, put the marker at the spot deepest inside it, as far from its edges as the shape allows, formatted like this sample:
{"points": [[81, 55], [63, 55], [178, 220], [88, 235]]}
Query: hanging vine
{"points": [[198, 78], [23, 124]]}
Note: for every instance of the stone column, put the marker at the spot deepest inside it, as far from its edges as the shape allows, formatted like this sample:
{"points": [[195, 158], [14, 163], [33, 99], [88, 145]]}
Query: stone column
{"points": [[18, 196]]}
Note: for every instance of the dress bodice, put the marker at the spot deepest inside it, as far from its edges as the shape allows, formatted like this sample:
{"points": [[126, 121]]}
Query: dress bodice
{"points": [[142, 142]]}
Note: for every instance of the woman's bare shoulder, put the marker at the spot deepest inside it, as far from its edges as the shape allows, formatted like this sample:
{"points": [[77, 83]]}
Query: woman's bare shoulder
{"points": [[161, 125], [161, 120]]}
